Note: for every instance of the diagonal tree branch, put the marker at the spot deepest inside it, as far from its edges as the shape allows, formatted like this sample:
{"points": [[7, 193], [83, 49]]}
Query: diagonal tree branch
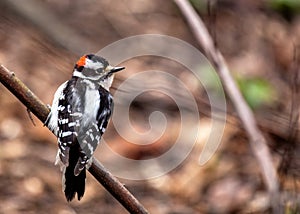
{"points": [[41, 111], [257, 141]]}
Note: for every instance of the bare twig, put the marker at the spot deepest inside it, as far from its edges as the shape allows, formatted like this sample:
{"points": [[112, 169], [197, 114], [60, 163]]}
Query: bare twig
{"points": [[41, 111], [257, 140]]}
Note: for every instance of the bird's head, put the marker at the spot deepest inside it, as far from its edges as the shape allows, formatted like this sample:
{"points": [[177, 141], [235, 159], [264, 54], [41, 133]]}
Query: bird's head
{"points": [[94, 67]]}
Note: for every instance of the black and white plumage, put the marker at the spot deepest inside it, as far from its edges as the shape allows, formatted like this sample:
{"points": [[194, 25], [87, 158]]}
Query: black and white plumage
{"points": [[79, 115]]}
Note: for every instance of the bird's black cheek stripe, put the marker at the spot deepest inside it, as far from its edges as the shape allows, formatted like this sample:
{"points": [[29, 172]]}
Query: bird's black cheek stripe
{"points": [[78, 68]]}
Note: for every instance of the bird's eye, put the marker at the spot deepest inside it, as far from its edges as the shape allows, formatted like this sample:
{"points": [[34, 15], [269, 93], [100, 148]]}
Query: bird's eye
{"points": [[99, 70]]}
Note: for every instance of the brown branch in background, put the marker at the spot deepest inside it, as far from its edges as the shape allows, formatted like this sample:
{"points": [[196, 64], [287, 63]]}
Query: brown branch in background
{"points": [[257, 141], [295, 90], [290, 155], [41, 111]]}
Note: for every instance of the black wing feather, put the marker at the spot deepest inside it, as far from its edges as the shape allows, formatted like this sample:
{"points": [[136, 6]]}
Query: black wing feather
{"points": [[78, 142], [90, 141], [69, 148]]}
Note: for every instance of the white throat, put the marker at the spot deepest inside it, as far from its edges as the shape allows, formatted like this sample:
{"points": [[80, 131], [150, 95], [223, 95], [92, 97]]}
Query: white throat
{"points": [[107, 82]]}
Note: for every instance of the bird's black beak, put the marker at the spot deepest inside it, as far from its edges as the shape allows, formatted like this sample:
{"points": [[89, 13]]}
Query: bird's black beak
{"points": [[116, 69]]}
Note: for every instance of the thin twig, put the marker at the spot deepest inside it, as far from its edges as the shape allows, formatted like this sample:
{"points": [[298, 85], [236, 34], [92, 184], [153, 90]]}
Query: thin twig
{"points": [[257, 140], [41, 111]]}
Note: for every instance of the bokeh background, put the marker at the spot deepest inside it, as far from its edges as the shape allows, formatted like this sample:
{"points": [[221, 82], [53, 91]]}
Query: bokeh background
{"points": [[41, 40]]}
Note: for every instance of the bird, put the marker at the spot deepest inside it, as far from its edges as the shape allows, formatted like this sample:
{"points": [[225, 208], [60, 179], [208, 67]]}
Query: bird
{"points": [[79, 115]]}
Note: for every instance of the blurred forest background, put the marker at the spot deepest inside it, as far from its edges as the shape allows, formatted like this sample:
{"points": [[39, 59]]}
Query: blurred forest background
{"points": [[41, 40]]}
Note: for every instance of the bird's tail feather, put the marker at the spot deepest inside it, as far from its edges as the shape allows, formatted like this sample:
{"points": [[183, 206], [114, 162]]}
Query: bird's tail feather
{"points": [[73, 184]]}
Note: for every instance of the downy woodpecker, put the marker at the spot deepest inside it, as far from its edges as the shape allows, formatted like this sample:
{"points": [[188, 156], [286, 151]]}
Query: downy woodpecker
{"points": [[79, 115]]}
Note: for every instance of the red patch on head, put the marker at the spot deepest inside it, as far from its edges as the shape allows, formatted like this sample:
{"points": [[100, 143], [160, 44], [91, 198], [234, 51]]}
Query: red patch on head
{"points": [[81, 61]]}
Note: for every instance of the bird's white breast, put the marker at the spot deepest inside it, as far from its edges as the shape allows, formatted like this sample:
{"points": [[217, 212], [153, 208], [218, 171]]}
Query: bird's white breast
{"points": [[53, 116]]}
